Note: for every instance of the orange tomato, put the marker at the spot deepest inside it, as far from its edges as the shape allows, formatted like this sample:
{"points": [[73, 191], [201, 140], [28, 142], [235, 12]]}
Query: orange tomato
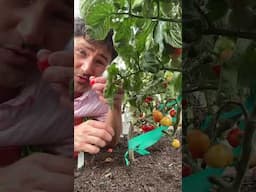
{"points": [[226, 55], [198, 143], [219, 156], [157, 115], [166, 121]]}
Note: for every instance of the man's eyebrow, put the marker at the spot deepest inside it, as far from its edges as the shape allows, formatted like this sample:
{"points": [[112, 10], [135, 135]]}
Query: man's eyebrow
{"points": [[104, 57], [82, 45], [88, 47]]}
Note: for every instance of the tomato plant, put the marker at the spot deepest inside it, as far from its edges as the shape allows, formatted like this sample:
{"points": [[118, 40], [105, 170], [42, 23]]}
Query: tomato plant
{"points": [[219, 84], [147, 37]]}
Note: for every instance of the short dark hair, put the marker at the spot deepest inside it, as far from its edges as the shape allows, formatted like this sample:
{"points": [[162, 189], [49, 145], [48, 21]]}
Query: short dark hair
{"points": [[80, 31], [79, 27]]}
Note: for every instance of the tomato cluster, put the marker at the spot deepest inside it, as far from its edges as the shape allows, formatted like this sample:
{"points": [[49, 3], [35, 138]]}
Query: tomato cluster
{"points": [[217, 155], [163, 120]]}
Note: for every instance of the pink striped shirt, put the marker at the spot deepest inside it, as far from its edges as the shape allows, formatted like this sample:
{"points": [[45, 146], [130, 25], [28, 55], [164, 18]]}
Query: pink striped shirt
{"points": [[89, 105], [36, 117]]}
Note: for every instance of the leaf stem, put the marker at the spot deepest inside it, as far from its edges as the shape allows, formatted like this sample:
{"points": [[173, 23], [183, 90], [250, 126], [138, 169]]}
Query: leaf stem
{"points": [[152, 18]]}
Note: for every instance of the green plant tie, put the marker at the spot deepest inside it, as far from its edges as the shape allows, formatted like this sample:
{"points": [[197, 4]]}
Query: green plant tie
{"points": [[249, 103], [199, 181], [139, 144]]}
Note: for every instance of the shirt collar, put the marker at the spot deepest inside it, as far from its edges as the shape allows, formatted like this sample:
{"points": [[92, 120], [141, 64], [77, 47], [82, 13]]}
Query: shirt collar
{"points": [[84, 95]]}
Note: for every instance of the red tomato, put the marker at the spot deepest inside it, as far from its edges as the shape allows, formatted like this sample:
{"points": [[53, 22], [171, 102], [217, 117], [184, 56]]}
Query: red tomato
{"points": [[148, 99], [173, 113], [234, 137], [184, 104], [42, 65], [92, 81], [217, 69], [186, 170], [177, 51], [78, 120], [146, 128]]}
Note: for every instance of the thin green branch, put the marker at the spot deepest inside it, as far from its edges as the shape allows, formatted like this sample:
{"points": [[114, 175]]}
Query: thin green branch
{"points": [[130, 6], [152, 18], [200, 88], [172, 69], [158, 8], [229, 33]]}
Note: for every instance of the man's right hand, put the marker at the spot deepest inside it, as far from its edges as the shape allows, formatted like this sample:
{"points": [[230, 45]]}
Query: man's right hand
{"points": [[38, 172], [92, 135]]}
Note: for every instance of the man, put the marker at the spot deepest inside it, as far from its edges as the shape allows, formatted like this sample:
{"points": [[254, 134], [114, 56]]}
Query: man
{"points": [[31, 111], [91, 58]]}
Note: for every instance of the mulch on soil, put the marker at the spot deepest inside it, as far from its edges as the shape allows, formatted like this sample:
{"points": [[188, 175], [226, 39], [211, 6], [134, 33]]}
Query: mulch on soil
{"points": [[106, 172]]}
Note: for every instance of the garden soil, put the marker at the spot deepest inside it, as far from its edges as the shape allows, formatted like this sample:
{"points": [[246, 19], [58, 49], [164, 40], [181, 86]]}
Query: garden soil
{"points": [[106, 172]]}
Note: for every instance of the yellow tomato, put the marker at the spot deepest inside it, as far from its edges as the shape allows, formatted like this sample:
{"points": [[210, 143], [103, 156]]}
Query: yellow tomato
{"points": [[168, 76], [219, 156], [175, 143], [166, 121], [157, 115]]}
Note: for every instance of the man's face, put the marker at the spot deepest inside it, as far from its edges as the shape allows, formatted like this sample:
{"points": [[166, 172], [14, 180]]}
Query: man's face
{"points": [[39, 24], [90, 59]]}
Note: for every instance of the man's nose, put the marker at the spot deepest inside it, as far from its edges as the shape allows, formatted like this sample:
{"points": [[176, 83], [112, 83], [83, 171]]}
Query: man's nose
{"points": [[32, 28], [87, 66]]}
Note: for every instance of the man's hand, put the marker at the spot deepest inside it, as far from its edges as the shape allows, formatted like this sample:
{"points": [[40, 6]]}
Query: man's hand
{"points": [[38, 172], [92, 135], [99, 84], [59, 73]]}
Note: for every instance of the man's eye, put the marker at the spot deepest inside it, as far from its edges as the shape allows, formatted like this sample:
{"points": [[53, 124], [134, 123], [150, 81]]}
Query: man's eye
{"points": [[61, 17], [81, 52], [99, 62], [21, 3]]}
